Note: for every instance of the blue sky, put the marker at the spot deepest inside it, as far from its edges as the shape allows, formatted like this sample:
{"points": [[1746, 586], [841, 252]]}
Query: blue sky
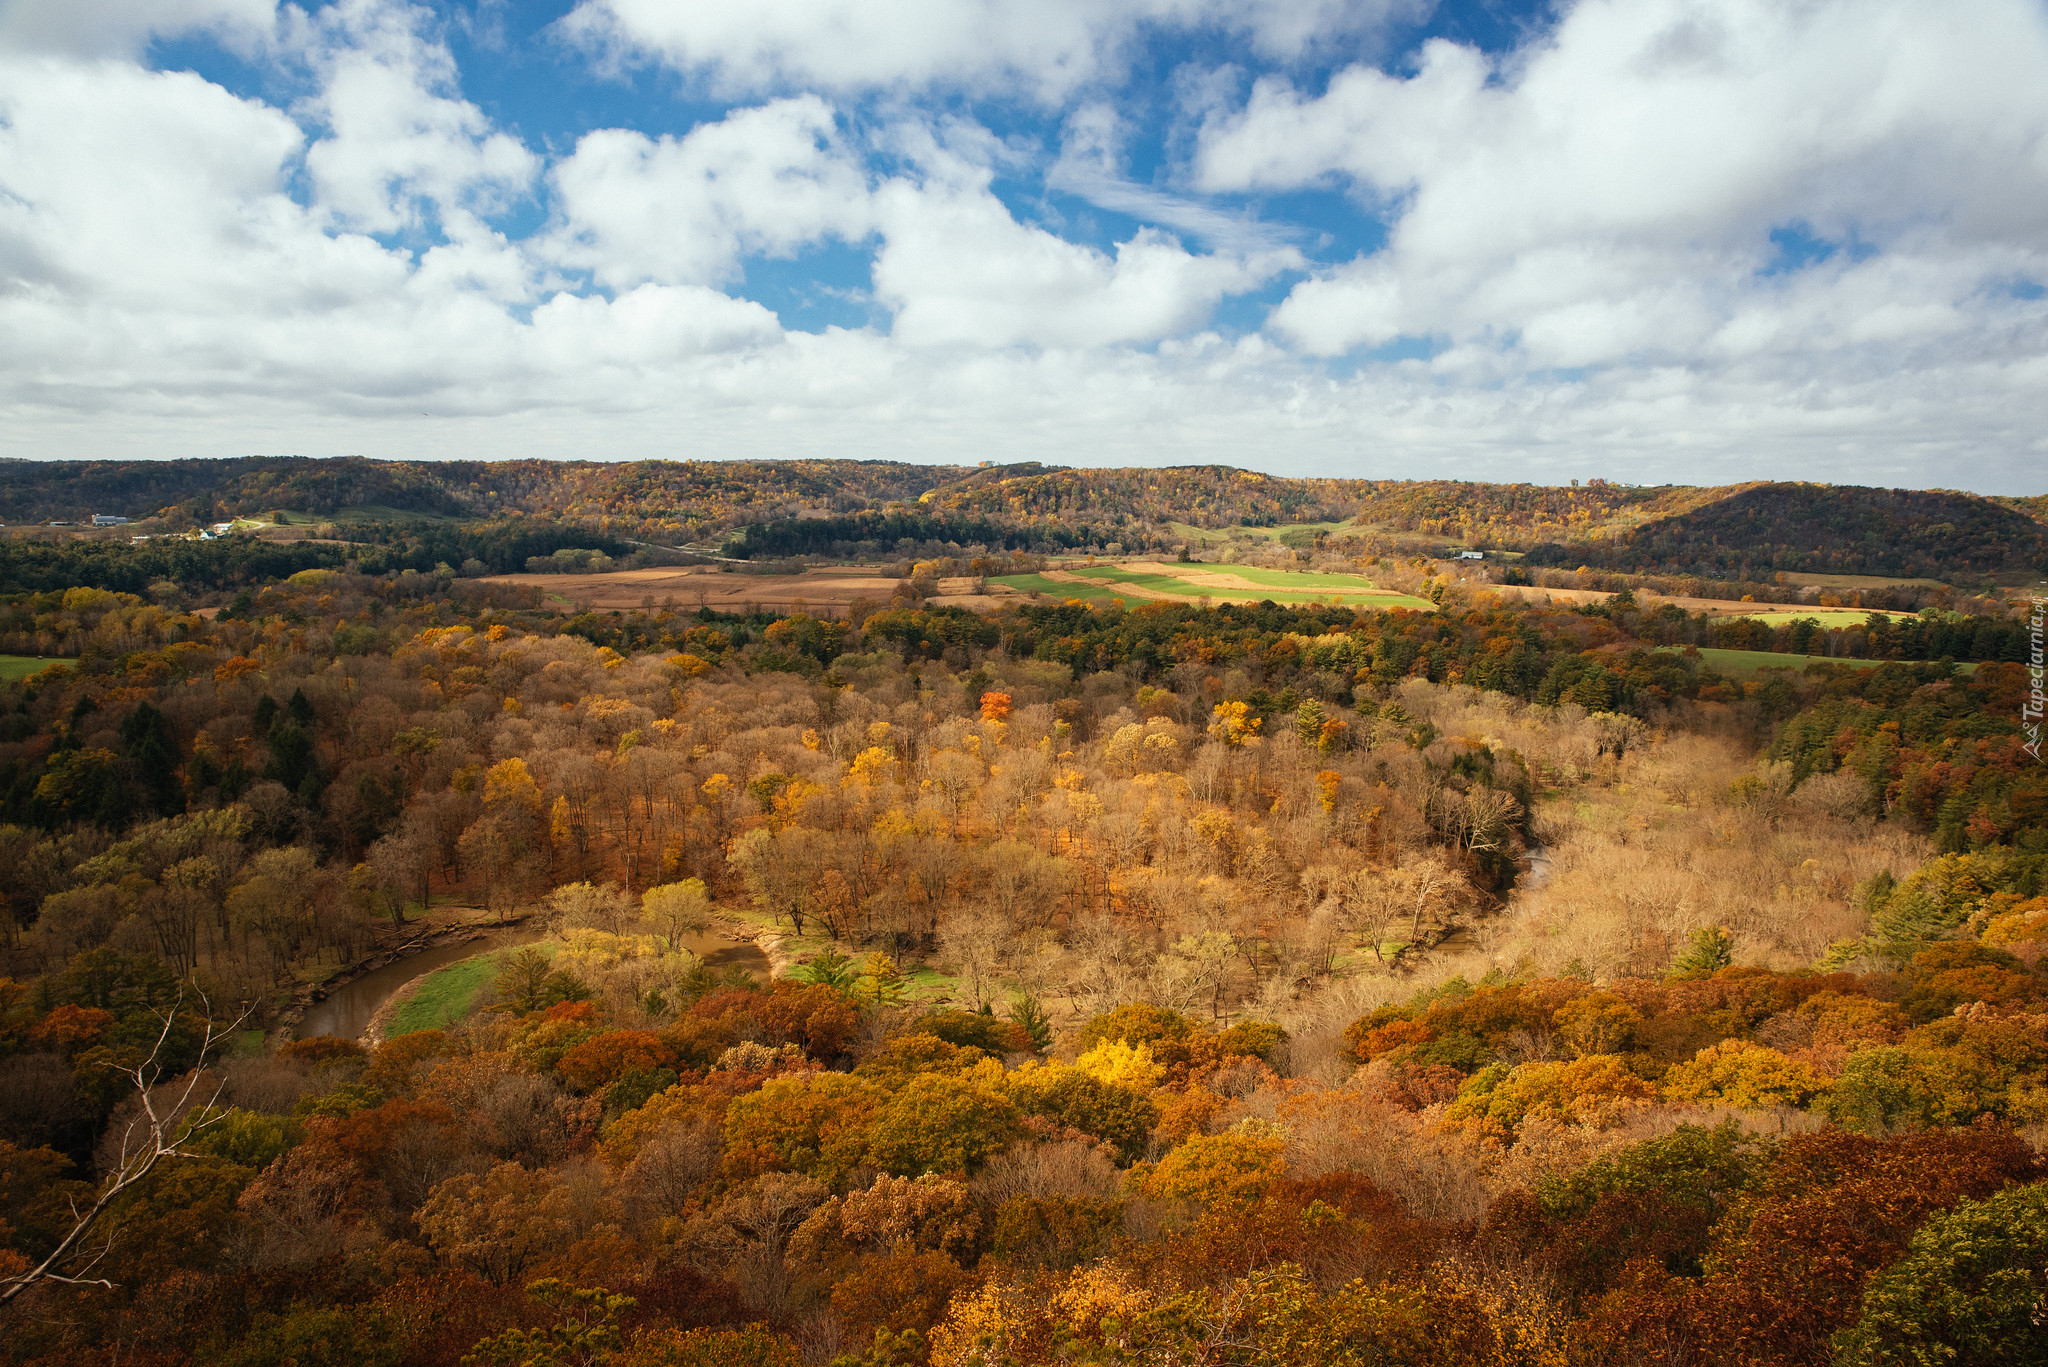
{"points": [[1652, 240]]}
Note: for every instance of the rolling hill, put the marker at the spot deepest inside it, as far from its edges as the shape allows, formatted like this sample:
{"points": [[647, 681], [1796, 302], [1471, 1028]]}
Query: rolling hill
{"points": [[844, 509], [1758, 530]]}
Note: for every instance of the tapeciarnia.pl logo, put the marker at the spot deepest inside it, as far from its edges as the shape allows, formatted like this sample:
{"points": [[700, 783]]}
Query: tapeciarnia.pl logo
{"points": [[2031, 709]]}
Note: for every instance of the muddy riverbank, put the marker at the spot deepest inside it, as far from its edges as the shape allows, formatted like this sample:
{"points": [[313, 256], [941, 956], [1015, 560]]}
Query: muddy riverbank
{"points": [[346, 1008], [352, 1008]]}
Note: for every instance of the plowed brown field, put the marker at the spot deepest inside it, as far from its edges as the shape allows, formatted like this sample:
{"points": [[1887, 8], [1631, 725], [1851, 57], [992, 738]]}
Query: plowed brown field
{"points": [[697, 586]]}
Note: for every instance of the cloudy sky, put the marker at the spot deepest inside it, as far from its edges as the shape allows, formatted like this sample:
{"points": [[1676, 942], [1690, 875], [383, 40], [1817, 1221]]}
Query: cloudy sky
{"points": [[1653, 240]]}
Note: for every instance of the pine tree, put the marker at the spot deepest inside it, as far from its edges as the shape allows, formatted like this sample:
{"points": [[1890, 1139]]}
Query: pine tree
{"points": [[1709, 950]]}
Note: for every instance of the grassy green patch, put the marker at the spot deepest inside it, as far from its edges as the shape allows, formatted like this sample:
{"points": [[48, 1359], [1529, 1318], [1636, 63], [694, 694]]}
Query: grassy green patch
{"points": [[448, 994], [14, 667], [923, 984], [1750, 661], [1854, 581], [1349, 590], [1158, 583], [1292, 587], [1038, 583], [1303, 580], [1829, 618], [377, 512]]}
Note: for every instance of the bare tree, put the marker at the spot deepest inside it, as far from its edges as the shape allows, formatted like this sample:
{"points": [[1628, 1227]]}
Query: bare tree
{"points": [[403, 863], [972, 942], [159, 1132], [1429, 879], [1373, 899]]}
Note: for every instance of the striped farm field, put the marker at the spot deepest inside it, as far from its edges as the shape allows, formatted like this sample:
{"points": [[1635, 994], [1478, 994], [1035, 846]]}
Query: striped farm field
{"points": [[1054, 588], [1217, 583]]}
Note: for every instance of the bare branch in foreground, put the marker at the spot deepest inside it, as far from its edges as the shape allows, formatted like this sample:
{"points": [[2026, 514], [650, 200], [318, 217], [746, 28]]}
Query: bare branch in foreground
{"points": [[148, 1140]]}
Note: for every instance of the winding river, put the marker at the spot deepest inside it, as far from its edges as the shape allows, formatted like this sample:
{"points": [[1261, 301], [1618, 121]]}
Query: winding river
{"points": [[347, 1010], [1524, 893]]}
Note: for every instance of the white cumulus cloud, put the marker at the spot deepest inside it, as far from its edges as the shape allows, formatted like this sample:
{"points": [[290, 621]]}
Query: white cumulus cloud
{"points": [[399, 137], [767, 180], [959, 269], [1699, 239], [105, 28], [1613, 190], [1044, 49]]}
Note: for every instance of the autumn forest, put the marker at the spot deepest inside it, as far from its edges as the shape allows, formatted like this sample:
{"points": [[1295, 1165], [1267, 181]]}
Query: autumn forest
{"points": [[1520, 981]]}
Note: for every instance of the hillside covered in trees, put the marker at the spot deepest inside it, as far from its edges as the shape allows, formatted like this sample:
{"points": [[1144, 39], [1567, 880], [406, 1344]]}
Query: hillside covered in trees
{"points": [[1762, 529], [1257, 985], [678, 498], [866, 509]]}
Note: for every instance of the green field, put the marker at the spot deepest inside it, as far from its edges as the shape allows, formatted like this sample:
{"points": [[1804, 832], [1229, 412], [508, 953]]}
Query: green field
{"points": [[448, 994], [1038, 583], [1750, 661], [1158, 583], [377, 512], [1829, 618], [1854, 581], [14, 667], [1292, 587], [1302, 580]]}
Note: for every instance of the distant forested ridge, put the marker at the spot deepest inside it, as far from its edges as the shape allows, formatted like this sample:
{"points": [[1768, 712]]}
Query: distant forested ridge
{"points": [[839, 508], [1818, 528], [205, 490], [681, 497], [1200, 495]]}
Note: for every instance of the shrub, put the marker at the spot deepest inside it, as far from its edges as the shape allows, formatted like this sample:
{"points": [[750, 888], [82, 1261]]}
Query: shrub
{"points": [[1215, 1169], [941, 1124], [1166, 1032], [1882, 1089], [1968, 1293], [1589, 1091], [1054, 1231], [1119, 1115], [1120, 1064], [667, 1346], [972, 1030], [1738, 1073], [240, 1136], [813, 1123], [906, 1056], [601, 1060]]}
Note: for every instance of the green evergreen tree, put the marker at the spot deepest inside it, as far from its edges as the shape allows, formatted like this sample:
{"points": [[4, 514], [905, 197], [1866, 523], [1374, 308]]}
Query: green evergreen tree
{"points": [[1707, 951]]}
